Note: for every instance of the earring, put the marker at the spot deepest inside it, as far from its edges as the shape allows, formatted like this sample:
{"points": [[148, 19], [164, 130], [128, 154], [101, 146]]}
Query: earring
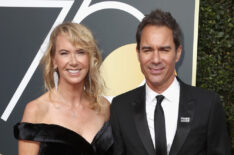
{"points": [[55, 75], [90, 84]]}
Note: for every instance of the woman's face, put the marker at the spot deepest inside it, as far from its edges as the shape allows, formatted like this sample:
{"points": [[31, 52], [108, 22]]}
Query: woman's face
{"points": [[72, 62]]}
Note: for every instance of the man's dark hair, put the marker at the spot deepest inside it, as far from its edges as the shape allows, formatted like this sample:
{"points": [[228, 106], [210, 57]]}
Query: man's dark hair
{"points": [[160, 18]]}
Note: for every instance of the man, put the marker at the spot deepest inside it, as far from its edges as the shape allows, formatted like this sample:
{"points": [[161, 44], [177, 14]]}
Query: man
{"points": [[166, 116]]}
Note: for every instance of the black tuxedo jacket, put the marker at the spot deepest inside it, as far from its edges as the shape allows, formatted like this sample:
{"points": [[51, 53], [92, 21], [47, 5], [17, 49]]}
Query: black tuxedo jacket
{"points": [[204, 133]]}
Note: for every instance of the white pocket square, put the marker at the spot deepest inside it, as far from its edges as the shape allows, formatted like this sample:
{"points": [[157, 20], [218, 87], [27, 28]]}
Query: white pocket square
{"points": [[185, 119]]}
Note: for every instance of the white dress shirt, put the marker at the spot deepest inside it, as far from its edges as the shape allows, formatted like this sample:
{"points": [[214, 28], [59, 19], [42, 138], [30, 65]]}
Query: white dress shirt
{"points": [[170, 105]]}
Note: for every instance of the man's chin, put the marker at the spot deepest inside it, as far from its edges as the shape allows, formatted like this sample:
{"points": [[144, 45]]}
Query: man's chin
{"points": [[154, 82]]}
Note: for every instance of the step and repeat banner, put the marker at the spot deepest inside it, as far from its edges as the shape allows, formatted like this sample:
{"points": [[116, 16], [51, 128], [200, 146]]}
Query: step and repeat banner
{"points": [[25, 26]]}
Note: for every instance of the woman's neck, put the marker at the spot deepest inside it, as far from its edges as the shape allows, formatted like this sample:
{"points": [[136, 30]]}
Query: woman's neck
{"points": [[71, 94]]}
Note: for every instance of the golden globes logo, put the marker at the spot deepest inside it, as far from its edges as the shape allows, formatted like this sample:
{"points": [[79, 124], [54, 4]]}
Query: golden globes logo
{"points": [[121, 70]]}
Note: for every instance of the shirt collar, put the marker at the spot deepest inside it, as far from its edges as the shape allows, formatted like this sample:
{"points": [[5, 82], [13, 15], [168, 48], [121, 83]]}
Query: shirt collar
{"points": [[170, 93], [150, 94]]}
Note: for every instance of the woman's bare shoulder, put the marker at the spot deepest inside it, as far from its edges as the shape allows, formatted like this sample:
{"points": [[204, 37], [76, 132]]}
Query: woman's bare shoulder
{"points": [[36, 109]]}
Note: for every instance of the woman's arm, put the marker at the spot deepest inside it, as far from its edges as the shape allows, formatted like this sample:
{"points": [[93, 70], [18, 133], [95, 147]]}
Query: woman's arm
{"points": [[28, 147]]}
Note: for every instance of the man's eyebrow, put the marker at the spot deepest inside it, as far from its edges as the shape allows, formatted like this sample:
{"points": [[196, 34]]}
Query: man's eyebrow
{"points": [[160, 48], [146, 48], [165, 47]]}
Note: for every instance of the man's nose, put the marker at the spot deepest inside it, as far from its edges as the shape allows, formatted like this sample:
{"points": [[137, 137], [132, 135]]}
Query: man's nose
{"points": [[156, 56]]}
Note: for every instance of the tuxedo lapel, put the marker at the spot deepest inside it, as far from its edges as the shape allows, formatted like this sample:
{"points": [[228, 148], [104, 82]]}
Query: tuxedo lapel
{"points": [[185, 118], [141, 121]]}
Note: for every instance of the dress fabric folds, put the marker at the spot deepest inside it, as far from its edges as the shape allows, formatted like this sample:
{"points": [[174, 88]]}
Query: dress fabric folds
{"points": [[58, 140]]}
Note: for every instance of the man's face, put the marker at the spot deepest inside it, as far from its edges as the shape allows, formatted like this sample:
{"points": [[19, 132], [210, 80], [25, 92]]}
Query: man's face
{"points": [[158, 56]]}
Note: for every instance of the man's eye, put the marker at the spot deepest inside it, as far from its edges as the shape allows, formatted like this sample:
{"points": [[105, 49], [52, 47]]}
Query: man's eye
{"points": [[146, 50], [165, 50]]}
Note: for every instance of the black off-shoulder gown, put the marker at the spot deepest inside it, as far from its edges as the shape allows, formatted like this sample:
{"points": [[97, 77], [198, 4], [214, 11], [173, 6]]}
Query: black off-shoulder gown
{"points": [[58, 140]]}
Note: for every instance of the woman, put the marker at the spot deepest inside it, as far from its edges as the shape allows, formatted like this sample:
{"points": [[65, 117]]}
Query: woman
{"points": [[72, 116]]}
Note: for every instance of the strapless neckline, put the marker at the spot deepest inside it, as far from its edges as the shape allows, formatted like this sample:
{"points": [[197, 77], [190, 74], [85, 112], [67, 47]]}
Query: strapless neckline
{"points": [[105, 124], [53, 134]]}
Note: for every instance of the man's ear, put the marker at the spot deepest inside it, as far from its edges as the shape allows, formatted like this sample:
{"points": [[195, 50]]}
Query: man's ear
{"points": [[178, 53], [138, 54]]}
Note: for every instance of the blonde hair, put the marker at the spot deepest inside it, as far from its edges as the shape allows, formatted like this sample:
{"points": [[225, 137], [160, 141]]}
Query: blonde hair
{"points": [[78, 35]]}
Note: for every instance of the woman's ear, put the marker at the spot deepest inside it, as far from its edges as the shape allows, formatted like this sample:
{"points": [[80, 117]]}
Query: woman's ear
{"points": [[55, 66]]}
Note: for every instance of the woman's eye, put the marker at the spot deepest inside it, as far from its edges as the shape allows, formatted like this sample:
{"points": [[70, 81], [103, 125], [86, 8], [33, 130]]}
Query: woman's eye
{"points": [[63, 52], [81, 51]]}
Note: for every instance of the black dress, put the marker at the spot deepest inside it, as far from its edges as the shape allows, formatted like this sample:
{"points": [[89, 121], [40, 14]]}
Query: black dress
{"points": [[58, 140]]}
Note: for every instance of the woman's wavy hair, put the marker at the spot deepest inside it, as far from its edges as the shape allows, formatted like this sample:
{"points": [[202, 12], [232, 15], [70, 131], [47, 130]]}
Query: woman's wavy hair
{"points": [[81, 36]]}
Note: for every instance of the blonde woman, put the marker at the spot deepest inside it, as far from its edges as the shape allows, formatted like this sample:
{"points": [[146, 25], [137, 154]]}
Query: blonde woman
{"points": [[72, 117]]}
